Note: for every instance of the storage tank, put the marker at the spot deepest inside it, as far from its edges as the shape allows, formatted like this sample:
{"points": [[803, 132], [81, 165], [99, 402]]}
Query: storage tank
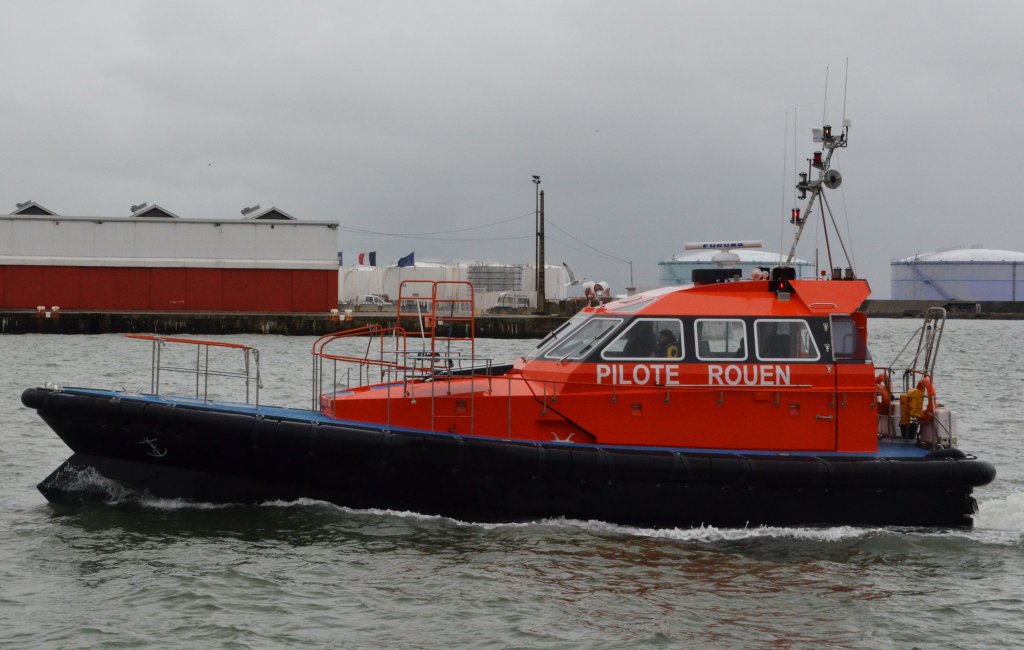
{"points": [[963, 274], [744, 255]]}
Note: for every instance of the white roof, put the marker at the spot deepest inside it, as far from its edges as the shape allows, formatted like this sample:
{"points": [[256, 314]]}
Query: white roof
{"points": [[965, 255], [746, 255]]}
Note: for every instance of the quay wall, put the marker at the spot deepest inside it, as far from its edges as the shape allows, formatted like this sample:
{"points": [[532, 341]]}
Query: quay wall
{"points": [[996, 310], [511, 326], [299, 324]]}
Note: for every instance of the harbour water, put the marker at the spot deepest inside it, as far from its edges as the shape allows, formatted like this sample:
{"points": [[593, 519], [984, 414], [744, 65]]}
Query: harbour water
{"points": [[144, 572]]}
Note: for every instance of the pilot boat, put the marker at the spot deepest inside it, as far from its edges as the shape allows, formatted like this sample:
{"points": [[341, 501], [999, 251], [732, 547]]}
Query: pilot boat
{"points": [[729, 402]]}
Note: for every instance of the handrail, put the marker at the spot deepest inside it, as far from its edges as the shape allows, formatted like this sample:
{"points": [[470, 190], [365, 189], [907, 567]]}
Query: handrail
{"points": [[397, 362], [202, 371]]}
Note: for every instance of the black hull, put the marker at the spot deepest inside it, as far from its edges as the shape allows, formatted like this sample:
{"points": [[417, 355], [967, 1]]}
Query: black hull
{"points": [[232, 455]]}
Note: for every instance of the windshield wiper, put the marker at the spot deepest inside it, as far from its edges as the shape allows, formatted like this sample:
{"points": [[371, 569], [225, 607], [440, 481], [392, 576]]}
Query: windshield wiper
{"points": [[583, 349]]}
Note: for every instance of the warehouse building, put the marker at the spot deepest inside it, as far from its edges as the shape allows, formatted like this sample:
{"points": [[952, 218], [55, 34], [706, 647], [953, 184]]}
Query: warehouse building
{"points": [[154, 260]]}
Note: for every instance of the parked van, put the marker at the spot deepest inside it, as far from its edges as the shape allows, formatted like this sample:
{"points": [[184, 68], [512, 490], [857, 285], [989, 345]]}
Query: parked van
{"points": [[371, 300], [510, 302]]}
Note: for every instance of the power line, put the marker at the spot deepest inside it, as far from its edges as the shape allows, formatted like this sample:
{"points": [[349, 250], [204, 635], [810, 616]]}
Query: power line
{"points": [[414, 235], [580, 241]]}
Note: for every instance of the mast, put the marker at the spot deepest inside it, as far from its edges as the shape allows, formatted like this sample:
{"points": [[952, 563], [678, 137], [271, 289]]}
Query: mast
{"points": [[827, 178]]}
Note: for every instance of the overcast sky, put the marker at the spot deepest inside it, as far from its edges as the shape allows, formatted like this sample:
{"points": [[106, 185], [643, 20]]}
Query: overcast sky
{"points": [[651, 124]]}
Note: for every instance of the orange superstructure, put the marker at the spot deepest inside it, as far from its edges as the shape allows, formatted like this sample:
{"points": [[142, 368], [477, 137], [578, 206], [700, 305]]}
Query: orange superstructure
{"points": [[752, 369]]}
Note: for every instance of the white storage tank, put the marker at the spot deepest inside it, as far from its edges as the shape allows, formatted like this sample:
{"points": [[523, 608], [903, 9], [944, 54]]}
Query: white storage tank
{"points": [[963, 274]]}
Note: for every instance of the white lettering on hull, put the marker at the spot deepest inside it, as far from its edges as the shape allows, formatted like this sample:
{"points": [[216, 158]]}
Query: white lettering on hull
{"points": [[762, 374], [642, 374]]}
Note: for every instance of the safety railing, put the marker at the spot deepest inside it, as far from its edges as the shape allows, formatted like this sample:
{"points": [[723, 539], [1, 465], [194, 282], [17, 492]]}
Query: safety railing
{"points": [[913, 414], [250, 373], [384, 357]]}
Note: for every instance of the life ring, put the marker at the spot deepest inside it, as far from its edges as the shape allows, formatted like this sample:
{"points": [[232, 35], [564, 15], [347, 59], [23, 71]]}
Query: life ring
{"points": [[928, 388], [882, 384]]}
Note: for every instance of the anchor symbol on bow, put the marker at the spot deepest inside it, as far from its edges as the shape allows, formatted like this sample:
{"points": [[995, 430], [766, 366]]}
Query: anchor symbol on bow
{"points": [[153, 451]]}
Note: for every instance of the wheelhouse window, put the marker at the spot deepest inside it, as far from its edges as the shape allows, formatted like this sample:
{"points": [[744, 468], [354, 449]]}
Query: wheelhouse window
{"points": [[584, 339], [648, 338], [849, 341], [785, 340], [558, 334], [720, 338]]}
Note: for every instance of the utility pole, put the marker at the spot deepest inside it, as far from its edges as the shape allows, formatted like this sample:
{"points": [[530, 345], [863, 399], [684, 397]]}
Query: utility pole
{"points": [[539, 249], [541, 298]]}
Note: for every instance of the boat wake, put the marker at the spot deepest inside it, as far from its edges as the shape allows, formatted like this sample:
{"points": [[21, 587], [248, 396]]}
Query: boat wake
{"points": [[86, 484], [1002, 514], [999, 521]]}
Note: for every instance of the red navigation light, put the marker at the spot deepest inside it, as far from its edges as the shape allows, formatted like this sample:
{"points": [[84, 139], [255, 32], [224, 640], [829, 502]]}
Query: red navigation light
{"points": [[794, 217], [817, 157]]}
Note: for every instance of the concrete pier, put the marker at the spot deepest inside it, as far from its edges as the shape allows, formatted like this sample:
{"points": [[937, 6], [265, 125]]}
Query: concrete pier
{"points": [[956, 309], [508, 326], [298, 324]]}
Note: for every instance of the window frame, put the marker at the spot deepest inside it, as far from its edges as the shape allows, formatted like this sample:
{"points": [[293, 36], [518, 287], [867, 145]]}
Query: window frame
{"points": [[696, 339], [649, 319], [593, 343], [807, 328]]}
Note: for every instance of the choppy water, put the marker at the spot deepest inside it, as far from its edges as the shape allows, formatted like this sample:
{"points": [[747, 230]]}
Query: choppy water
{"points": [[163, 573]]}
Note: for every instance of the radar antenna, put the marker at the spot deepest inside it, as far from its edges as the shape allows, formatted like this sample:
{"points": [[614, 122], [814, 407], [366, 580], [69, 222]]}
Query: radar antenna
{"points": [[827, 178]]}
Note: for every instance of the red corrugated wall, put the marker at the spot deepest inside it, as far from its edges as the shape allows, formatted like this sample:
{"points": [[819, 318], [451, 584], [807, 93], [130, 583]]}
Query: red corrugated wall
{"points": [[168, 289]]}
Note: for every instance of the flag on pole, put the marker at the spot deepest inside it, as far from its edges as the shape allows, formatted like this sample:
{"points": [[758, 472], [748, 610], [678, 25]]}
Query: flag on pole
{"points": [[408, 260], [368, 259]]}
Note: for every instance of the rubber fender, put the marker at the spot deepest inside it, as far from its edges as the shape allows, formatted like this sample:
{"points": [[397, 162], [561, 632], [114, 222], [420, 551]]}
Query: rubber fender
{"points": [[977, 472], [282, 435], [556, 460], [690, 469], [588, 463], [35, 398], [334, 440], [432, 451], [649, 466], [797, 472], [732, 470], [952, 452], [935, 473], [513, 457], [233, 424]]}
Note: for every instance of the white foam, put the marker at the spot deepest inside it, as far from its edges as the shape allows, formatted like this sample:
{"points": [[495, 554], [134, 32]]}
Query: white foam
{"points": [[158, 503], [89, 480], [710, 534], [1006, 514]]}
